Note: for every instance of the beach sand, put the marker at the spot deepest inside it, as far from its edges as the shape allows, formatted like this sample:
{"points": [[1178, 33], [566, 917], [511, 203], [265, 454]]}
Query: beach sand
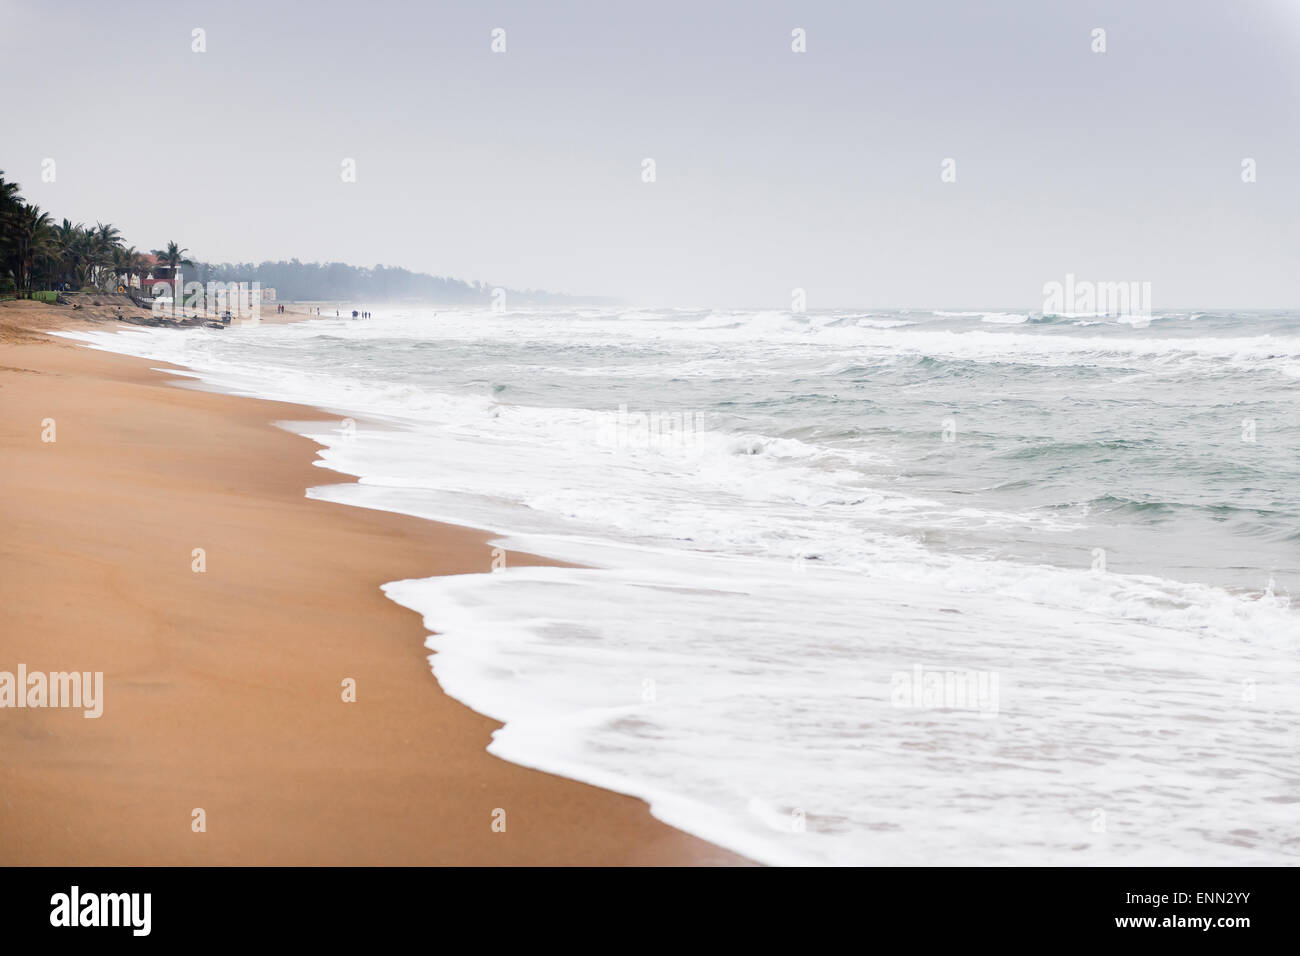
{"points": [[223, 689]]}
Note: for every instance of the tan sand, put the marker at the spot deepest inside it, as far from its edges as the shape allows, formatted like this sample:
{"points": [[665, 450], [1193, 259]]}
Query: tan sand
{"points": [[223, 689]]}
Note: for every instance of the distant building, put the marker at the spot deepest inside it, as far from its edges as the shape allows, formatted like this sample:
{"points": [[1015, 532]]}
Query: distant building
{"points": [[229, 295], [141, 281], [152, 277]]}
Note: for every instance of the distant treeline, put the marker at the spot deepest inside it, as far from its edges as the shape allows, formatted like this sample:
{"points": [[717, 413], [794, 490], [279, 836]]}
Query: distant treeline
{"points": [[337, 281], [38, 254]]}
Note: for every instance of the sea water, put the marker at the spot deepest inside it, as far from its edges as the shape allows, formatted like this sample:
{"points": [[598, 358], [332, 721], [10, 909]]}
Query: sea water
{"points": [[859, 587]]}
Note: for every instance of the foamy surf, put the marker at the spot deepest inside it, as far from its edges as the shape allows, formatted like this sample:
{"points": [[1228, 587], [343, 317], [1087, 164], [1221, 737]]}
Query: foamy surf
{"points": [[911, 588]]}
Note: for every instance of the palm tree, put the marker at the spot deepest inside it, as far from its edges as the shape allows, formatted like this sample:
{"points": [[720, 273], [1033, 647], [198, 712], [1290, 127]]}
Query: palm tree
{"points": [[172, 257], [36, 252], [10, 200], [66, 238], [8, 191], [10, 206], [128, 262], [121, 264], [85, 251], [105, 240], [32, 238], [143, 266], [108, 235]]}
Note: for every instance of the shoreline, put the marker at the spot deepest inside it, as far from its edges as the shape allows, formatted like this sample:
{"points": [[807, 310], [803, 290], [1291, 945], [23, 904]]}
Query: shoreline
{"points": [[223, 688]]}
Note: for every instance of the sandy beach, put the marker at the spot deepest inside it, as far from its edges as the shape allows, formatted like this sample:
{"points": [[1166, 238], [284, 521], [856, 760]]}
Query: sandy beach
{"points": [[223, 690]]}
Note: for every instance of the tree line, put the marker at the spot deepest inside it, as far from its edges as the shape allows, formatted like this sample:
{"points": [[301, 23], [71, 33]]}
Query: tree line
{"points": [[38, 253], [338, 281]]}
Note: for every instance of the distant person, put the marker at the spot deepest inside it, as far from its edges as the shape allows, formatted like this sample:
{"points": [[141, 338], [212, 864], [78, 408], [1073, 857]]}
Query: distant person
{"points": [[355, 313]]}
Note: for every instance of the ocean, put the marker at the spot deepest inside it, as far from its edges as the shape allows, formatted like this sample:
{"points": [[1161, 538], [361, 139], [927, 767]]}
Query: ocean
{"points": [[858, 587]]}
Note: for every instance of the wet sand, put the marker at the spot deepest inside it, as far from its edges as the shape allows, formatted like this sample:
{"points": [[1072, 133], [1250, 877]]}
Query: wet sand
{"points": [[223, 689]]}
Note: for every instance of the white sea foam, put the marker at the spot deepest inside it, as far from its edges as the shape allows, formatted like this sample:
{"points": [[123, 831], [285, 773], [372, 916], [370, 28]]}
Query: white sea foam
{"points": [[758, 603]]}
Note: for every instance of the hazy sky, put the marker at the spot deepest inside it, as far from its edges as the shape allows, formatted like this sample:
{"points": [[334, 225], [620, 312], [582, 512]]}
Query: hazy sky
{"points": [[775, 169]]}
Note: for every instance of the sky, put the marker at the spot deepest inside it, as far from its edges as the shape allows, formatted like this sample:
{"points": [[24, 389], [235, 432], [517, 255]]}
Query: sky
{"points": [[774, 170]]}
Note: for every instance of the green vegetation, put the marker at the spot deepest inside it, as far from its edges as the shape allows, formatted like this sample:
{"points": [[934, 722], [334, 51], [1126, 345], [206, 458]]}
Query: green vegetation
{"points": [[38, 254], [172, 257], [339, 282]]}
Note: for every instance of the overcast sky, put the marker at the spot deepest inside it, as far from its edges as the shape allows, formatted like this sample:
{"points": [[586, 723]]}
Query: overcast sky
{"points": [[775, 169]]}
